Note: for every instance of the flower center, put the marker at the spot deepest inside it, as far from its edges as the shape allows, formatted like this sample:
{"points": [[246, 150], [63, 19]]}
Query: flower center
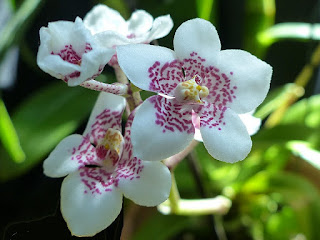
{"points": [[110, 148], [190, 91]]}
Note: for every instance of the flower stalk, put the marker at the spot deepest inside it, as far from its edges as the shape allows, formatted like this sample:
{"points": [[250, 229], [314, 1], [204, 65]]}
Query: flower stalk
{"points": [[116, 88]]}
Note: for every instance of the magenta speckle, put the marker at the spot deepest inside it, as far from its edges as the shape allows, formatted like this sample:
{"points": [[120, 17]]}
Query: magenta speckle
{"points": [[166, 76], [96, 178]]}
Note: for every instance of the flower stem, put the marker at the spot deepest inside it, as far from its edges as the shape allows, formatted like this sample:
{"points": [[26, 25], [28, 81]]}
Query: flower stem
{"points": [[116, 88], [133, 98], [174, 197], [219, 205], [174, 160]]}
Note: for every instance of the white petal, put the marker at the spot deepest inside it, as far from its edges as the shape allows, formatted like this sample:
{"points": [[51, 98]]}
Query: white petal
{"points": [[139, 23], [69, 52], [88, 213], [70, 154], [106, 113], [53, 64], [145, 183], [229, 142], [110, 39], [250, 75], [160, 129], [151, 188], [161, 27], [102, 18], [199, 36], [252, 123], [155, 68]]}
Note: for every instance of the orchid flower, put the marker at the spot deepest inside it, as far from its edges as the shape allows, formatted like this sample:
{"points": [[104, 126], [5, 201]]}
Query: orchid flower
{"points": [[113, 30], [197, 77], [100, 169], [68, 51], [252, 124]]}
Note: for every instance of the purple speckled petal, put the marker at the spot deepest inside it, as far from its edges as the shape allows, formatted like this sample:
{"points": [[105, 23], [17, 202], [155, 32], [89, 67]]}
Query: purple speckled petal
{"points": [[224, 134], [246, 79], [69, 155], [69, 52], [157, 71], [88, 213], [106, 113], [161, 128]]}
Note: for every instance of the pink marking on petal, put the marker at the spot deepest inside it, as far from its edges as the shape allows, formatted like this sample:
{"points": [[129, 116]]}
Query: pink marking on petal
{"points": [[131, 36], [84, 154], [106, 119], [171, 115], [68, 54], [165, 77]]}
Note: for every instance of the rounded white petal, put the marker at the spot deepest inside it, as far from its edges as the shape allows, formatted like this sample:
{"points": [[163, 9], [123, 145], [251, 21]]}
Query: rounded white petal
{"points": [[155, 135], [69, 52], [110, 39], [160, 28], [199, 36], [145, 71], [230, 142], [102, 18], [151, 188], [88, 213], [139, 23], [106, 113], [250, 75], [252, 123], [53, 64], [66, 157]]}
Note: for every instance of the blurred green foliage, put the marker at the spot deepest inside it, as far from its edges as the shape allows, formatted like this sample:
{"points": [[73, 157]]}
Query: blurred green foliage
{"points": [[274, 192]]}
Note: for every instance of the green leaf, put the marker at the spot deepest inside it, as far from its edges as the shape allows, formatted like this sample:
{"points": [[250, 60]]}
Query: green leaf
{"points": [[290, 30], [275, 98], [162, 227], [306, 111], [16, 26], [43, 120], [281, 134], [204, 9], [9, 137]]}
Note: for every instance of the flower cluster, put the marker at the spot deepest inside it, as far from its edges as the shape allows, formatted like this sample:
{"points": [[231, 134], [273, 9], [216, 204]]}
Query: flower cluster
{"points": [[203, 92]]}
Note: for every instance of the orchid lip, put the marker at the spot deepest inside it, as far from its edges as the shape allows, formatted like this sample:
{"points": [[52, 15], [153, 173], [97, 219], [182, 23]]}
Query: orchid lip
{"points": [[190, 91], [110, 148]]}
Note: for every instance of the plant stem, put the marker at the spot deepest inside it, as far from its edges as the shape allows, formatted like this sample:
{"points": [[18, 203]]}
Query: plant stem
{"points": [[133, 98], [174, 160], [116, 88]]}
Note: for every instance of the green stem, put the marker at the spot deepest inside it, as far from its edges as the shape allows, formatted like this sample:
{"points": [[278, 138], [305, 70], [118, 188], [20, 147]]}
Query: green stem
{"points": [[133, 98], [219, 205], [9, 136]]}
